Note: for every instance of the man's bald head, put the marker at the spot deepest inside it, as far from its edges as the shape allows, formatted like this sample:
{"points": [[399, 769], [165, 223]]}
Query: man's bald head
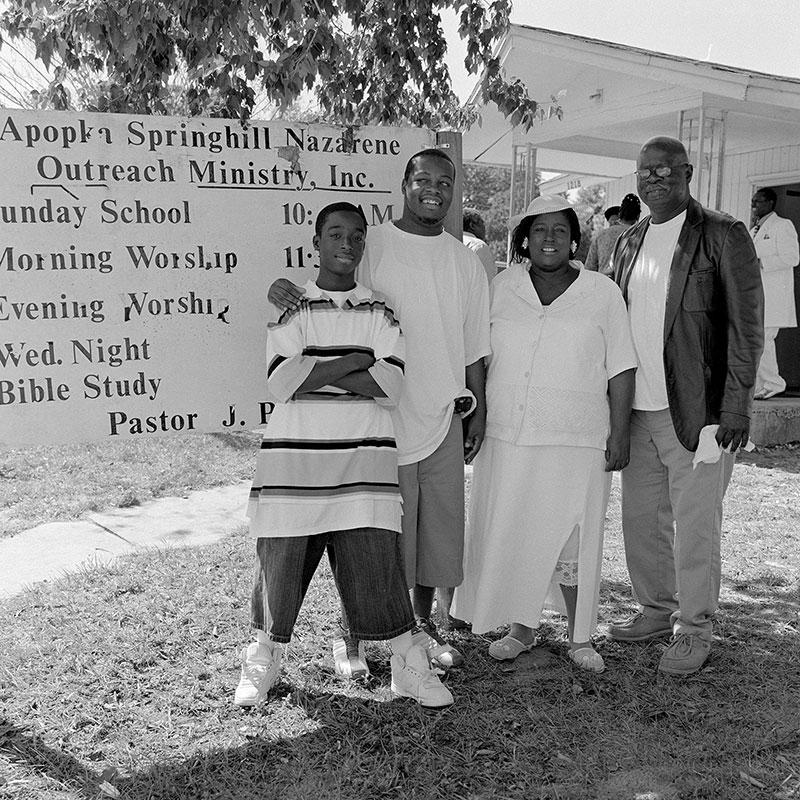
{"points": [[669, 145]]}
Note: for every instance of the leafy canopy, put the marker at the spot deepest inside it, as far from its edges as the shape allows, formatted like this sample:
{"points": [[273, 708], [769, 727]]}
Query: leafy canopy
{"points": [[487, 189], [367, 61]]}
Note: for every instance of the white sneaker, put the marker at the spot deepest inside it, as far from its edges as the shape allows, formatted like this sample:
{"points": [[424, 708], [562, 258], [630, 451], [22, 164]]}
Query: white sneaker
{"points": [[349, 658], [413, 677], [441, 653], [260, 669]]}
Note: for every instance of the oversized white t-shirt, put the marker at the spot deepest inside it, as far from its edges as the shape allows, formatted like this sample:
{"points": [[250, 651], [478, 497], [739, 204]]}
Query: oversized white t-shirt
{"points": [[438, 290], [647, 305]]}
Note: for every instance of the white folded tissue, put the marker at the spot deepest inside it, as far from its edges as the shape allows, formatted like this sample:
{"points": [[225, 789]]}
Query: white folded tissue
{"points": [[708, 450]]}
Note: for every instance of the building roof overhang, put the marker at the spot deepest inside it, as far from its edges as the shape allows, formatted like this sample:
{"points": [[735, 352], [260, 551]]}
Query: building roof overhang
{"points": [[615, 97]]}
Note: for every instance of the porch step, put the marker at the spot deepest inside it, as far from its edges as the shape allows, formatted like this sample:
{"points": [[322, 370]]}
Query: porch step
{"points": [[775, 421]]}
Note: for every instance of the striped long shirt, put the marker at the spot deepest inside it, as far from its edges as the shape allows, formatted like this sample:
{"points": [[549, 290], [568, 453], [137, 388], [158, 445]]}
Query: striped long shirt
{"points": [[328, 458]]}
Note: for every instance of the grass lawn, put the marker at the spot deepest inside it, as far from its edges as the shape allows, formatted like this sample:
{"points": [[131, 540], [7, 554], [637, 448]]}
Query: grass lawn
{"points": [[117, 682]]}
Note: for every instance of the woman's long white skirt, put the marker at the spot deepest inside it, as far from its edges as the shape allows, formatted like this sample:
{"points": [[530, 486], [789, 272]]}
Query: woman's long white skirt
{"points": [[525, 502]]}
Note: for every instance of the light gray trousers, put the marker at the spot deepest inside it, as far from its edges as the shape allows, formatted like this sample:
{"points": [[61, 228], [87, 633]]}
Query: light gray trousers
{"points": [[672, 524]]}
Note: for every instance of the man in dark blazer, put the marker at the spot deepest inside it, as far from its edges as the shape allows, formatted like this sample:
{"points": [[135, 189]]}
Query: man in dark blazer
{"points": [[691, 280]]}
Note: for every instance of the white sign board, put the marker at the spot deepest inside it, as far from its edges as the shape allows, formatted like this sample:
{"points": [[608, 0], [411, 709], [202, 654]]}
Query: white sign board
{"points": [[135, 257]]}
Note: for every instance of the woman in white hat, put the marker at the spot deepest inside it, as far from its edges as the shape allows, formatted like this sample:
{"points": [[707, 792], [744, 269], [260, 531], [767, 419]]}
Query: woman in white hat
{"points": [[559, 392]]}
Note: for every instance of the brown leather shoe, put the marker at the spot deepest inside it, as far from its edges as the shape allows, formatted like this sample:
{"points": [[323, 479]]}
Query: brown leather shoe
{"points": [[686, 654], [639, 628]]}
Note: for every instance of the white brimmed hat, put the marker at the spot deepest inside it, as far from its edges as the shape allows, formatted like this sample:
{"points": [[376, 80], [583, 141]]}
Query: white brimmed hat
{"points": [[543, 204]]}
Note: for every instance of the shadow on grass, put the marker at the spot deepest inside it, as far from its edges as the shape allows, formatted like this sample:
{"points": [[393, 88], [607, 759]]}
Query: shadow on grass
{"points": [[499, 741], [784, 458], [25, 749], [764, 611], [160, 708], [754, 602], [347, 747], [350, 747]]}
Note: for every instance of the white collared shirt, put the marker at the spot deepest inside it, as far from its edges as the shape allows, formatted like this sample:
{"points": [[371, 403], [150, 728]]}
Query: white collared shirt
{"points": [[548, 375]]}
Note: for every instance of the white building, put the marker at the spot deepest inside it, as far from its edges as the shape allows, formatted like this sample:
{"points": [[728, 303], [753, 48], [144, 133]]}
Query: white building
{"points": [[741, 128]]}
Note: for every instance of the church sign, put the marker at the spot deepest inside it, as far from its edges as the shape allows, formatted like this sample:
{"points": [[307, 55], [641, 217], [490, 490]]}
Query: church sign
{"points": [[135, 257]]}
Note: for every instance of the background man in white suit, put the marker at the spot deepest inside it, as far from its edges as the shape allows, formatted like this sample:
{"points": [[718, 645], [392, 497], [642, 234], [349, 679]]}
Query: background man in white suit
{"points": [[775, 240]]}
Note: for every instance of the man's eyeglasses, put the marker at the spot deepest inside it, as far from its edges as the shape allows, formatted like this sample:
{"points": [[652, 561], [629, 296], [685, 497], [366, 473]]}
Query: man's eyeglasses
{"points": [[662, 171]]}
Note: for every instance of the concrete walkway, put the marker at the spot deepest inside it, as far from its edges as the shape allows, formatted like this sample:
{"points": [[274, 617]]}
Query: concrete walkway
{"points": [[48, 551]]}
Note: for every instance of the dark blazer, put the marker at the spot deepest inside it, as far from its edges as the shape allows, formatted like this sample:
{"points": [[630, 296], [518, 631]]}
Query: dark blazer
{"points": [[714, 322]]}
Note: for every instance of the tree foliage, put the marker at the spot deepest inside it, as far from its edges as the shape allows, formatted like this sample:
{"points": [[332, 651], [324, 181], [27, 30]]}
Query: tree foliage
{"points": [[487, 189], [589, 202], [367, 61]]}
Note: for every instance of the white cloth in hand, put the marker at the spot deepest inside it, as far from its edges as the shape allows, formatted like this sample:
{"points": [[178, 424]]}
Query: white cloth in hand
{"points": [[708, 449]]}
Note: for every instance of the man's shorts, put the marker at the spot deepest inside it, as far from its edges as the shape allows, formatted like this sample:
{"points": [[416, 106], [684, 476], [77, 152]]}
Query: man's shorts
{"points": [[433, 513]]}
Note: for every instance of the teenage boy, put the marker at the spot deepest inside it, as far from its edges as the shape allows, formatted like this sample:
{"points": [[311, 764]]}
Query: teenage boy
{"points": [[326, 476]]}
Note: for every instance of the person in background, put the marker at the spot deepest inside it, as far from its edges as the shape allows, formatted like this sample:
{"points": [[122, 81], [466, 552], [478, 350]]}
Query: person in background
{"points": [[612, 216], [587, 234], [474, 237], [438, 288], [599, 256], [692, 283], [326, 476], [558, 393], [775, 240]]}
